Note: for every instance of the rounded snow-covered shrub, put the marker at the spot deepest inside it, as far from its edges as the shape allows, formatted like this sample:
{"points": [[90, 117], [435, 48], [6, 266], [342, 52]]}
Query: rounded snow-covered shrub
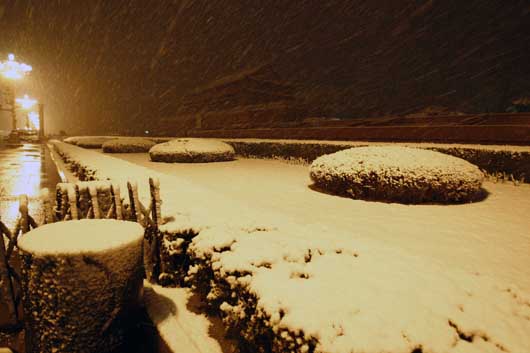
{"points": [[80, 280], [397, 174], [128, 145], [192, 150], [88, 141]]}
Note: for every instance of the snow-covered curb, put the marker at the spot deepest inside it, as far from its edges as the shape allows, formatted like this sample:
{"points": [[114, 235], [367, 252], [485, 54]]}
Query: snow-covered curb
{"points": [[395, 173], [298, 288], [190, 150], [127, 145]]}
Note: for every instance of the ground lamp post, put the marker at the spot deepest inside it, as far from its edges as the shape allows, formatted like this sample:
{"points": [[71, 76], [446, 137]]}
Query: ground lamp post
{"points": [[41, 121], [27, 103], [13, 70], [36, 118]]}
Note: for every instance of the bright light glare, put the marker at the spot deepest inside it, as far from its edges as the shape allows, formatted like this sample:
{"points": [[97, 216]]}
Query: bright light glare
{"points": [[26, 102], [34, 120], [12, 69]]}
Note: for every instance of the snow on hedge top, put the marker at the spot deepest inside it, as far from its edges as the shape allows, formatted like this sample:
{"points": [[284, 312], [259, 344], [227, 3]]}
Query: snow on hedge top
{"points": [[192, 149], [397, 173], [192, 145], [362, 296], [411, 161], [88, 141], [81, 236], [127, 144], [423, 145]]}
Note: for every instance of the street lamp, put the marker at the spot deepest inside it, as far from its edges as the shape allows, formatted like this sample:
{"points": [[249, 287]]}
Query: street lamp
{"points": [[26, 102], [33, 118], [13, 70]]}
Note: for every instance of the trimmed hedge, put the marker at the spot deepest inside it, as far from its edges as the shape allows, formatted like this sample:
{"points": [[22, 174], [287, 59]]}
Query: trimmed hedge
{"points": [[128, 145], [88, 141], [188, 150], [397, 174], [513, 162]]}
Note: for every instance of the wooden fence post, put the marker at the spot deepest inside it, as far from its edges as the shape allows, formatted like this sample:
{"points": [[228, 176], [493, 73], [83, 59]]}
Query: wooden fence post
{"points": [[8, 310], [47, 206], [118, 207]]}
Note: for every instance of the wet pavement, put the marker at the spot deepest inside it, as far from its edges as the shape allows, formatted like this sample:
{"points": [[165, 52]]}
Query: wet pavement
{"points": [[24, 169]]}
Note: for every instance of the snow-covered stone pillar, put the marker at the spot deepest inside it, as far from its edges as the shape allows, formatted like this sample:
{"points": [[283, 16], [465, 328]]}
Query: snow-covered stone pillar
{"points": [[80, 279]]}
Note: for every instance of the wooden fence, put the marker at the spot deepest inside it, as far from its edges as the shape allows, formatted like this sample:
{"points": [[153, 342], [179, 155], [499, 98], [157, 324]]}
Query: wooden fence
{"points": [[73, 201]]}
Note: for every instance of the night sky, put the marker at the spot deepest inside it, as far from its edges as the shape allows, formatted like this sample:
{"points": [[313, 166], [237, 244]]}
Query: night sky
{"points": [[122, 66]]}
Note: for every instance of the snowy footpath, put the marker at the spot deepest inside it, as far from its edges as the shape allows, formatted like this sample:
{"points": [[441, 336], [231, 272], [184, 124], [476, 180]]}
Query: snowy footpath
{"points": [[340, 275]]}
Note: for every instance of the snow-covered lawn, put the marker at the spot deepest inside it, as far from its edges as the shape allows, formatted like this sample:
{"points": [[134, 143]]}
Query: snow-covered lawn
{"points": [[342, 275], [491, 236]]}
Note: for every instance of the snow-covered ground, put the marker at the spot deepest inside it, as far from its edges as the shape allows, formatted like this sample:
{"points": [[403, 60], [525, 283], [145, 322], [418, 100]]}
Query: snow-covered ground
{"points": [[177, 314], [382, 277]]}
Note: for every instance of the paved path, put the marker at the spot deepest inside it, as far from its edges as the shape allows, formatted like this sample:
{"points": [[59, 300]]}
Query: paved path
{"points": [[24, 169]]}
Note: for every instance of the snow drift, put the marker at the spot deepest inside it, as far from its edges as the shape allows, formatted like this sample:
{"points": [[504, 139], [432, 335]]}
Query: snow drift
{"points": [[192, 151], [397, 174]]}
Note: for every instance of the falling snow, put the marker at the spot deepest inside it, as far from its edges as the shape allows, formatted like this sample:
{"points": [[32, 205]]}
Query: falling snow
{"points": [[129, 66]]}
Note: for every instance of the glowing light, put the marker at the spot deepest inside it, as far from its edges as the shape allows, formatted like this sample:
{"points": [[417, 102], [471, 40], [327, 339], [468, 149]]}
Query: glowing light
{"points": [[34, 120], [26, 102], [12, 69]]}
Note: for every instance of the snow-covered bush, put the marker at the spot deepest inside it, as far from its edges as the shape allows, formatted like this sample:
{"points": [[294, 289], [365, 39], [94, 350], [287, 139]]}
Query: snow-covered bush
{"points": [[80, 278], [400, 174], [294, 291], [174, 261], [192, 150], [127, 145], [88, 141]]}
